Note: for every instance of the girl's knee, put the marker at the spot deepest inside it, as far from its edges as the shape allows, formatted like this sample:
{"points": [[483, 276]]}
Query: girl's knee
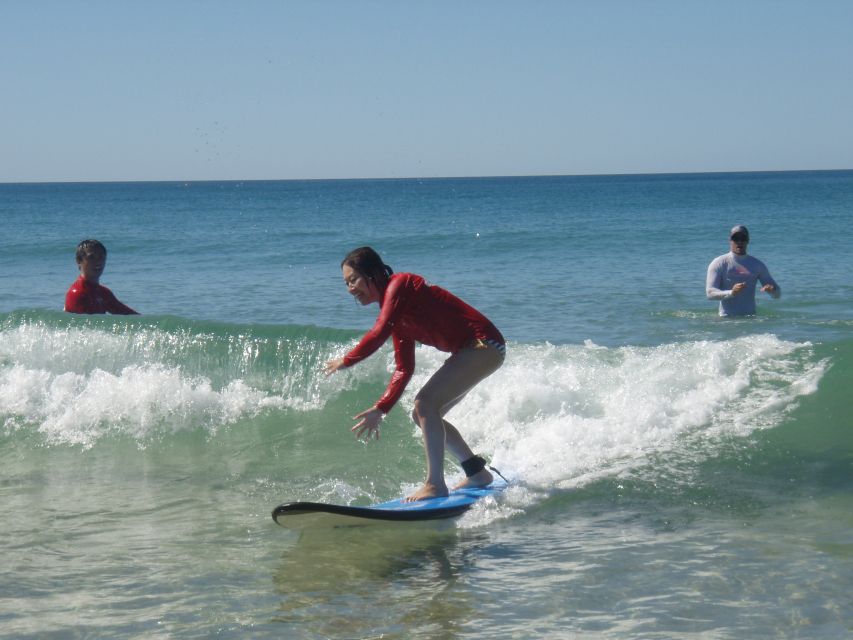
{"points": [[423, 407]]}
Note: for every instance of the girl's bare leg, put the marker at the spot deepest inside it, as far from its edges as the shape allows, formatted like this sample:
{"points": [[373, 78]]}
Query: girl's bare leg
{"points": [[461, 372], [461, 451]]}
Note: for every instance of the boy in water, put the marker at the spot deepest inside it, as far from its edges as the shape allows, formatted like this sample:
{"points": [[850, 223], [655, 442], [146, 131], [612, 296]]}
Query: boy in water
{"points": [[87, 295]]}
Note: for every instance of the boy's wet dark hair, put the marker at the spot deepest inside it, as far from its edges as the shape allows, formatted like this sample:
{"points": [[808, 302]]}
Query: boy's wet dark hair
{"points": [[367, 262], [88, 247]]}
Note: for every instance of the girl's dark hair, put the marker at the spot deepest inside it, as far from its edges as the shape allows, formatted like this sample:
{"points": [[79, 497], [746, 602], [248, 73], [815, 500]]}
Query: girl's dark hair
{"points": [[367, 262]]}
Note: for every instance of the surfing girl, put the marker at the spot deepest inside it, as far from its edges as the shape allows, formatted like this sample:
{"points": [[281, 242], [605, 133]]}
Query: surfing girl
{"points": [[412, 310]]}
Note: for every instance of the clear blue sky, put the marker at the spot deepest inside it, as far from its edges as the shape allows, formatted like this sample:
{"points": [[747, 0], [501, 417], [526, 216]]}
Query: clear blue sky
{"points": [[177, 90]]}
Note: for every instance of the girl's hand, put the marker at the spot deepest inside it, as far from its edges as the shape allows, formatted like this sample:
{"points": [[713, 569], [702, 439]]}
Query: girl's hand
{"points": [[368, 424], [333, 365]]}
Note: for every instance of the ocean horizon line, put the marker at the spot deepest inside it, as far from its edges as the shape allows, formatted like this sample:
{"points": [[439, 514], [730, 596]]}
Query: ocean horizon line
{"points": [[187, 181]]}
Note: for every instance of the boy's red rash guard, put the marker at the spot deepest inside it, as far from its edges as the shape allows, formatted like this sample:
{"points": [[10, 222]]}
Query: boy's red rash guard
{"points": [[85, 297], [412, 310]]}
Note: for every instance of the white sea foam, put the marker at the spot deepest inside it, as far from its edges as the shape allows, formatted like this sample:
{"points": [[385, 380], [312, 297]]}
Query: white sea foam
{"points": [[552, 416], [139, 401], [75, 385], [563, 415]]}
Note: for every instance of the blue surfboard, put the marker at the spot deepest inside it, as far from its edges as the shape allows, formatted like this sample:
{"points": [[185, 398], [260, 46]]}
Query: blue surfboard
{"points": [[298, 515]]}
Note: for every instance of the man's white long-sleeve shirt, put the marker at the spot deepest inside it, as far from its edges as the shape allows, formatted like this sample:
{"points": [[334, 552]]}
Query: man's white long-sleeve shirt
{"points": [[726, 271]]}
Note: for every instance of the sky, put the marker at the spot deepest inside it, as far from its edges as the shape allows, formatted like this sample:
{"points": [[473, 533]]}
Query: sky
{"points": [[119, 90]]}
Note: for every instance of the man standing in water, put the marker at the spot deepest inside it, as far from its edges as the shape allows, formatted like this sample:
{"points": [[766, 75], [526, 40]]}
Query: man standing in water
{"points": [[87, 294], [732, 276]]}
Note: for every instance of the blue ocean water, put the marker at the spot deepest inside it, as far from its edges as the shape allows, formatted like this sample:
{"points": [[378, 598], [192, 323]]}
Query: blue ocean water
{"points": [[675, 473]]}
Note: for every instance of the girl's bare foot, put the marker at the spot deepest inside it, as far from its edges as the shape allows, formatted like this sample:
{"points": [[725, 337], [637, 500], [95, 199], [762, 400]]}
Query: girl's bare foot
{"points": [[429, 490], [480, 479]]}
